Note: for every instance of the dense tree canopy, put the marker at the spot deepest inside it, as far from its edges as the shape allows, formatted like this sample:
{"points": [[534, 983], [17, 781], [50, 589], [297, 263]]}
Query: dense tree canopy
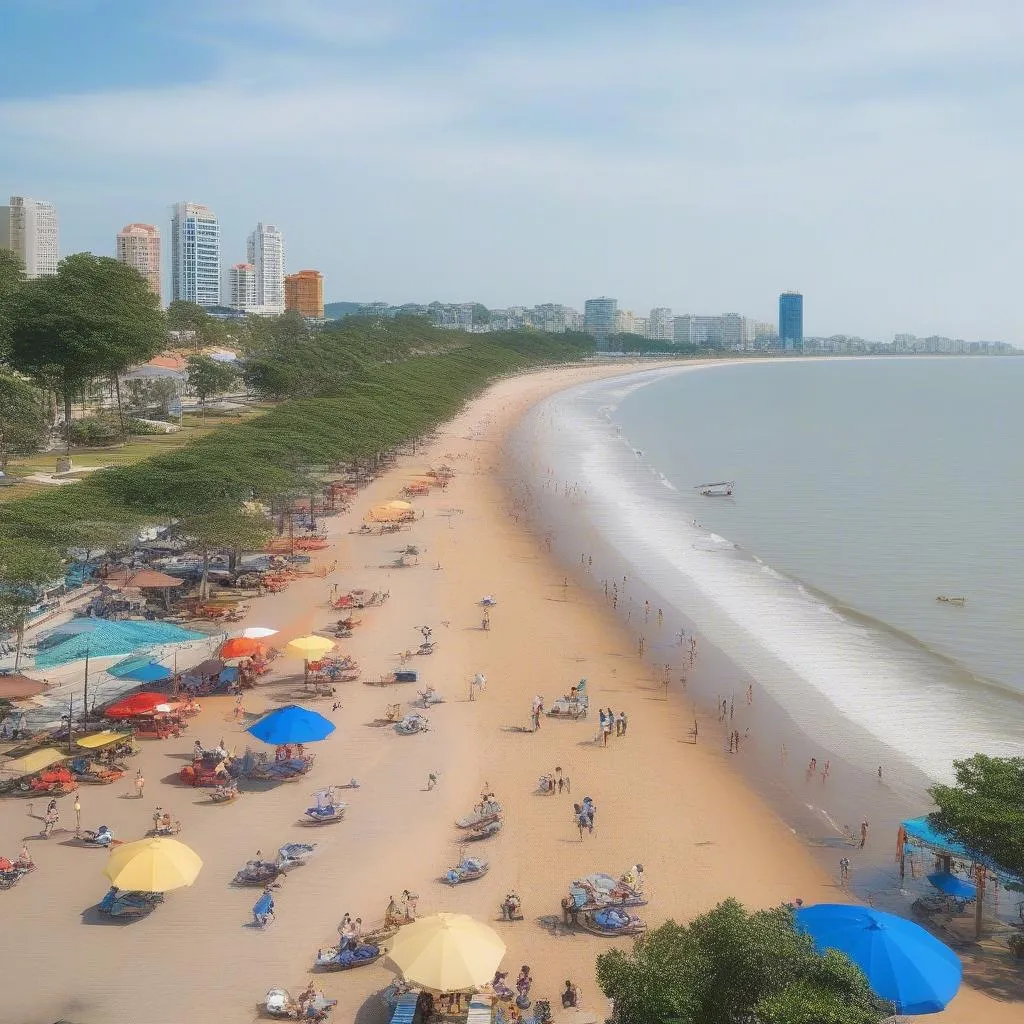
{"points": [[12, 274], [731, 967], [24, 418], [352, 395], [95, 317], [984, 810]]}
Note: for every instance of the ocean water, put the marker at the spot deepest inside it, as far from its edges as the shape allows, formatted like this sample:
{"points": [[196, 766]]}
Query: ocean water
{"points": [[864, 489]]}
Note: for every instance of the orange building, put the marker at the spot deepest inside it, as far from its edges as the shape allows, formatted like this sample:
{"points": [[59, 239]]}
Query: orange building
{"points": [[304, 292]]}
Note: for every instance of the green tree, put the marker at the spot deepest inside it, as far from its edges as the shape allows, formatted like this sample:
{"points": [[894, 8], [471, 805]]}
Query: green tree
{"points": [[728, 966], [24, 423], [24, 568], [95, 317], [984, 810], [12, 274], [208, 377], [158, 391], [224, 528], [190, 317]]}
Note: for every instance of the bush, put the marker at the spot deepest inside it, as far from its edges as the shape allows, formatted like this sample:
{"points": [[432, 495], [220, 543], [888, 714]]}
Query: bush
{"points": [[95, 431]]}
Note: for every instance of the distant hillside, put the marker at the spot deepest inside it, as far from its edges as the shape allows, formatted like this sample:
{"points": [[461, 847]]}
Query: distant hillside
{"points": [[337, 310]]}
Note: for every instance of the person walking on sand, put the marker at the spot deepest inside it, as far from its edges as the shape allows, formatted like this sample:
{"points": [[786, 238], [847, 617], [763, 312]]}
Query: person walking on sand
{"points": [[863, 833], [581, 819], [844, 871], [78, 817], [50, 820], [606, 728], [140, 784], [589, 810]]}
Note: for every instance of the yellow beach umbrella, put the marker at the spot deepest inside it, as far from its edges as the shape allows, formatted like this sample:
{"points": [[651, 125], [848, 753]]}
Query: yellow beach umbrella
{"points": [[309, 648], [153, 865], [447, 952]]}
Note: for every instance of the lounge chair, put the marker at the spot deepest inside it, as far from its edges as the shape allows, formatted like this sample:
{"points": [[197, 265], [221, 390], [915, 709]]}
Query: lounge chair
{"points": [[481, 814], [467, 870], [612, 922], [343, 958], [484, 830]]}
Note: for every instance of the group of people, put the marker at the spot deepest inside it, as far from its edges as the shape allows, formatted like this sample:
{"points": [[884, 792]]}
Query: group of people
{"points": [[609, 720]]}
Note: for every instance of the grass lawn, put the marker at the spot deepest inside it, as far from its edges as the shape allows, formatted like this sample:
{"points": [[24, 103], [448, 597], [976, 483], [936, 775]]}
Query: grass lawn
{"points": [[135, 450]]}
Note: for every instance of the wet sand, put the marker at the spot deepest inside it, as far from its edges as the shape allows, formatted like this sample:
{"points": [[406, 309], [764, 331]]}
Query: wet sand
{"points": [[680, 809]]}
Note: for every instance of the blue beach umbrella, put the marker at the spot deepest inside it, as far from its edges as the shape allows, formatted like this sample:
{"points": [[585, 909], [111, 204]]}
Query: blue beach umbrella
{"points": [[904, 964], [951, 885], [291, 724]]}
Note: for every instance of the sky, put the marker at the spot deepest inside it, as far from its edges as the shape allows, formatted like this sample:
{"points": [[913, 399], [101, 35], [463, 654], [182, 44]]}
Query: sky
{"points": [[699, 155]]}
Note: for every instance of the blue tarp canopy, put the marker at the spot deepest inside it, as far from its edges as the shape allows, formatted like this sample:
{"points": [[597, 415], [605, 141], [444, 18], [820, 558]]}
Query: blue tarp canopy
{"points": [[953, 885], [102, 639], [142, 670], [920, 829]]}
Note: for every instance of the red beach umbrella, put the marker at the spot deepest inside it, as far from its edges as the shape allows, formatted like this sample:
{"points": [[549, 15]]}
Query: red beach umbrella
{"points": [[137, 704]]}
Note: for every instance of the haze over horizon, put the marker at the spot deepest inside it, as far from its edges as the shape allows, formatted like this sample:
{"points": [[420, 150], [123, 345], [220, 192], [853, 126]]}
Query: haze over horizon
{"points": [[702, 157]]}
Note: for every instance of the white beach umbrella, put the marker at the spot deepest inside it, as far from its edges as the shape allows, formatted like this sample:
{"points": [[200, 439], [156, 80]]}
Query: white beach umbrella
{"points": [[255, 632]]}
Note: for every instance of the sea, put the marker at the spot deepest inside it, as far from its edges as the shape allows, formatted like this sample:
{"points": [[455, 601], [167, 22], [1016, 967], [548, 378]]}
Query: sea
{"points": [[863, 490]]}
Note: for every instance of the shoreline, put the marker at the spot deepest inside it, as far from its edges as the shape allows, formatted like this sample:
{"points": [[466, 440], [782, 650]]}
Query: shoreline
{"points": [[701, 832]]}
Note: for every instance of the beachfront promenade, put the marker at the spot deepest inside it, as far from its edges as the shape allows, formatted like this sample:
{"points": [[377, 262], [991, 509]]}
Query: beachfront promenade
{"points": [[675, 807]]}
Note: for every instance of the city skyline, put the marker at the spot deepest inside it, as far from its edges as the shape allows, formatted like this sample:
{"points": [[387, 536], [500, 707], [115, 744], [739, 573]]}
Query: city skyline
{"points": [[853, 149]]}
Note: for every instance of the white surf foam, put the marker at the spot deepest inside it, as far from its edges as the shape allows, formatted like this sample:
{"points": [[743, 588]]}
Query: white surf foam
{"points": [[810, 657]]}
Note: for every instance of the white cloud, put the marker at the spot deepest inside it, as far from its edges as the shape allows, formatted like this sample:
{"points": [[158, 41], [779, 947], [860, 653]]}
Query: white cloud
{"points": [[678, 159]]}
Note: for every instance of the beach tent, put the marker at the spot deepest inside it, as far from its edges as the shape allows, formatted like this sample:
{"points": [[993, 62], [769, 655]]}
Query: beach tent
{"points": [[19, 687], [29, 764], [141, 670], [100, 638], [104, 738], [921, 832]]}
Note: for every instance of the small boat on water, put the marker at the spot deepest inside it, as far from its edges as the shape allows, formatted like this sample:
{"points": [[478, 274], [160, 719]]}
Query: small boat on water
{"points": [[959, 601], [721, 489]]}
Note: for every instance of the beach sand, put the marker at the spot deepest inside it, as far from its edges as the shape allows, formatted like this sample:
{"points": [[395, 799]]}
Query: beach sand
{"points": [[676, 807]]}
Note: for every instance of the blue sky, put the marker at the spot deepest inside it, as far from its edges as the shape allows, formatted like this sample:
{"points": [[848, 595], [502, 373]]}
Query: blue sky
{"points": [[698, 155]]}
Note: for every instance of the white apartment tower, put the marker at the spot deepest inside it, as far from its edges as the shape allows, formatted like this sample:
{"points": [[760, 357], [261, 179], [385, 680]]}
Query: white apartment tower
{"points": [[195, 254], [265, 251], [29, 228], [242, 287], [138, 245], [660, 326]]}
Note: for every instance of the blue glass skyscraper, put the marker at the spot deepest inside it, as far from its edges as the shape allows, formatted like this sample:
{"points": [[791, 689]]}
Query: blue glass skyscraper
{"points": [[791, 320]]}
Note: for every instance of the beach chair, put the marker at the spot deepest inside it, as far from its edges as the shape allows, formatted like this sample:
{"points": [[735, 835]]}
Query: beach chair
{"points": [[405, 1009]]}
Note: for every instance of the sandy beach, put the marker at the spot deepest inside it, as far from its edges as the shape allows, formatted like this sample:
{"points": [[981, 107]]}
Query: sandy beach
{"points": [[677, 807]]}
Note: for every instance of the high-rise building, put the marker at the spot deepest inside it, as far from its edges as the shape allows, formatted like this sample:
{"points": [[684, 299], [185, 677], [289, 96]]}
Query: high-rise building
{"points": [[791, 320], [659, 324], [265, 251], [242, 288], [304, 292], [138, 245], [29, 228], [195, 254], [599, 319]]}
